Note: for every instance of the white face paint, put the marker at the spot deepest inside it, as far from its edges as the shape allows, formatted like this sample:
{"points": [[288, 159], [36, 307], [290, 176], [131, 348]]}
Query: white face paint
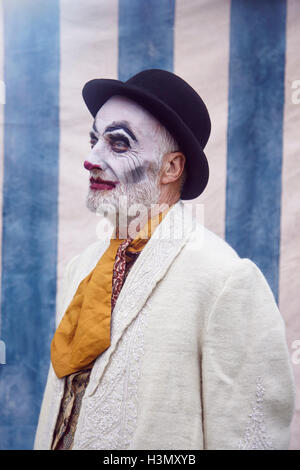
{"points": [[124, 153]]}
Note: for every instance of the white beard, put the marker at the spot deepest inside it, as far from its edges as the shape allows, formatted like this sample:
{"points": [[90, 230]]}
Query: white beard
{"points": [[117, 202]]}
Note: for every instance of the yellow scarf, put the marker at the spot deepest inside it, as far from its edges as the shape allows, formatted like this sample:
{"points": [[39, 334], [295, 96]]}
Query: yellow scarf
{"points": [[84, 331]]}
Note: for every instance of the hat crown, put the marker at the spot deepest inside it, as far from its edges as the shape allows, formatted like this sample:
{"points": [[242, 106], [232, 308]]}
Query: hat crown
{"points": [[179, 96]]}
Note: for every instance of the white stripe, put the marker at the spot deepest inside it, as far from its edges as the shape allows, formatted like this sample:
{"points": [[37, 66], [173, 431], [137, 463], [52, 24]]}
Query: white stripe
{"points": [[89, 49], [290, 209], [201, 57], [1, 133]]}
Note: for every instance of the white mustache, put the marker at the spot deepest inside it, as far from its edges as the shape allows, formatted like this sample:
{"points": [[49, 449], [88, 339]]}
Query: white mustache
{"points": [[96, 173]]}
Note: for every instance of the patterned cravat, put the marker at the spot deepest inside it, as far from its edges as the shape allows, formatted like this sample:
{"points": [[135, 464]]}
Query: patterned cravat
{"points": [[119, 271]]}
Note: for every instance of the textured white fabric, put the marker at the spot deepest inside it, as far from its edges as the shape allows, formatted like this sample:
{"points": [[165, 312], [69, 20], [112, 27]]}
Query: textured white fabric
{"points": [[198, 356]]}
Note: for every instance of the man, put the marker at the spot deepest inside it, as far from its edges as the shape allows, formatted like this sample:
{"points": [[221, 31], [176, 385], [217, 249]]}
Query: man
{"points": [[166, 338]]}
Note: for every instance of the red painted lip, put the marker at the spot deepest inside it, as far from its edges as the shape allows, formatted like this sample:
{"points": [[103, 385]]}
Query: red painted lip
{"points": [[98, 183]]}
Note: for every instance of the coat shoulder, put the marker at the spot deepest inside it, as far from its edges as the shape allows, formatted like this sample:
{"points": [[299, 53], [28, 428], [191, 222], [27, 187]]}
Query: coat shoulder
{"points": [[205, 248]]}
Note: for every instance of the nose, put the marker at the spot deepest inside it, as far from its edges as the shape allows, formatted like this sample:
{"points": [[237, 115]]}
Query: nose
{"points": [[91, 166]]}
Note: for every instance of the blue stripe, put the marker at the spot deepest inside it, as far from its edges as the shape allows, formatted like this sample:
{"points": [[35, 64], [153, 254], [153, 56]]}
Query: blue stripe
{"points": [[29, 252], [254, 152], [145, 36]]}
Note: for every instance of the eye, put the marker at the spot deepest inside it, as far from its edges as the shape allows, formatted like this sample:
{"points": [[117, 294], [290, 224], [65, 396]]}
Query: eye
{"points": [[119, 146], [119, 143]]}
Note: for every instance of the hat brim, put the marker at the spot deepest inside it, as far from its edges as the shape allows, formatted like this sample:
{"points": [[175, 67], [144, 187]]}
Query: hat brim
{"points": [[96, 92]]}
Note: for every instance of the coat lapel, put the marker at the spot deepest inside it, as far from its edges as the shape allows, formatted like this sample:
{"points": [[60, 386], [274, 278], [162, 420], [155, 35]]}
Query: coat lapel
{"points": [[151, 266]]}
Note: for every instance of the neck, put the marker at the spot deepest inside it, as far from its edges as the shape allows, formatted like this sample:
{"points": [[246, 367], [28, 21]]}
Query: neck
{"points": [[125, 225], [130, 225], [169, 197]]}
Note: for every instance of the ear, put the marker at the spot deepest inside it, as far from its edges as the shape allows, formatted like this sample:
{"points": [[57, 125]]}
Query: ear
{"points": [[172, 167]]}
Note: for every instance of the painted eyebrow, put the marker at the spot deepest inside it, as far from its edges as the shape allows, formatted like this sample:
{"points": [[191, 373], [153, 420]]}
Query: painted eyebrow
{"points": [[121, 125]]}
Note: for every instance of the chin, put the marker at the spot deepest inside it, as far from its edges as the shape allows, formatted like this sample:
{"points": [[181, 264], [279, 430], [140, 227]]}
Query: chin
{"points": [[96, 200]]}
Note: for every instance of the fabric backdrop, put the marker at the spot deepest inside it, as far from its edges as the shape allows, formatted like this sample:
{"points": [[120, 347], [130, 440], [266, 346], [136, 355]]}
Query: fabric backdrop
{"points": [[243, 59]]}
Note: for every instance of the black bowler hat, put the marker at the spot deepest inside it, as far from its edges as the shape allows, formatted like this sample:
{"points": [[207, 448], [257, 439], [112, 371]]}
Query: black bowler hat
{"points": [[175, 104]]}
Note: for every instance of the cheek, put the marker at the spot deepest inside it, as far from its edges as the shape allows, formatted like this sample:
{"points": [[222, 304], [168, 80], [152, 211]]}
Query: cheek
{"points": [[129, 174], [130, 170], [136, 175]]}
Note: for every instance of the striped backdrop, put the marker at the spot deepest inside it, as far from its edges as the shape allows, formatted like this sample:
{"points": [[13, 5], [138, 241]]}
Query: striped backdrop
{"points": [[241, 56]]}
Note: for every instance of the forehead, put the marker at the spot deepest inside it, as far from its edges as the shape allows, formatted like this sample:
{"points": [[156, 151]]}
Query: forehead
{"points": [[120, 108]]}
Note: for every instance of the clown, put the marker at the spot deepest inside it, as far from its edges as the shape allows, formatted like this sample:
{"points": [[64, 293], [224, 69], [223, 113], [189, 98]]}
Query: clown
{"points": [[134, 157], [163, 342]]}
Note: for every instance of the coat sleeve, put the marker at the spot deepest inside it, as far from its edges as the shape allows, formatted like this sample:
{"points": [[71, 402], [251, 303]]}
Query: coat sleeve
{"points": [[248, 388]]}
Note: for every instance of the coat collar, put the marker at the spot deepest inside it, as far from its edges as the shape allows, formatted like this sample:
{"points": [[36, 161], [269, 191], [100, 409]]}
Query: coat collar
{"points": [[160, 251]]}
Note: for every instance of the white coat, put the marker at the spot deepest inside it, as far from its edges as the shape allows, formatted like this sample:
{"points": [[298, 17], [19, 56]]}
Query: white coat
{"points": [[198, 356]]}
